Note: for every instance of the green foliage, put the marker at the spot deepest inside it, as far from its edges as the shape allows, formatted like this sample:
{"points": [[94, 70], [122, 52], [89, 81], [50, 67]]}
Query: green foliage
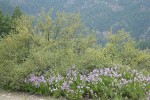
{"points": [[13, 52], [17, 13], [8, 23], [47, 46], [43, 47], [5, 24], [122, 49]]}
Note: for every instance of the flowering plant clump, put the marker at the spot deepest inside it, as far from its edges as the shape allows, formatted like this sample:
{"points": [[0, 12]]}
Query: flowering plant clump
{"points": [[106, 83]]}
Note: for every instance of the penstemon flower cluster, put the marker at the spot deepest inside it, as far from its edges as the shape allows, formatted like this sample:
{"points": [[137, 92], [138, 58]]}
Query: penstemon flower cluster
{"points": [[108, 82]]}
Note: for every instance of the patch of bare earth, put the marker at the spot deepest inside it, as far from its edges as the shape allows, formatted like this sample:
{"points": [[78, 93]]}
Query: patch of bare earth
{"points": [[22, 96]]}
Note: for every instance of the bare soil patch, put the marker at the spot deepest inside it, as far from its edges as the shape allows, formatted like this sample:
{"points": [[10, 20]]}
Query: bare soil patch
{"points": [[22, 96]]}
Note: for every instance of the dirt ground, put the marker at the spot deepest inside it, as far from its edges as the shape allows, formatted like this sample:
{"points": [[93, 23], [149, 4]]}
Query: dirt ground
{"points": [[22, 96]]}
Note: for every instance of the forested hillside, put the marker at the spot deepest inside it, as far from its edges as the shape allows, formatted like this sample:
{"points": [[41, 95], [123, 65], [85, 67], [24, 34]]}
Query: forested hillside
{"points": [[100, 15]]}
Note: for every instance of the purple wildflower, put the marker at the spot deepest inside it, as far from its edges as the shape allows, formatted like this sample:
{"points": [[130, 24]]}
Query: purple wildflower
{"points": [[51, 80], [37, 80], [65, 86]]}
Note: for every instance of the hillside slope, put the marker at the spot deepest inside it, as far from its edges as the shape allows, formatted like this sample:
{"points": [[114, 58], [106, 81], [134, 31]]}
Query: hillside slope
{"points": [[100, 15]]}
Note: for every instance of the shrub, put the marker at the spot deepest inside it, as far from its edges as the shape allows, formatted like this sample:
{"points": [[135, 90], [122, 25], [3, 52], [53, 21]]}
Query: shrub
{"points": [[43, 45], [122, 49], [49, 47]]}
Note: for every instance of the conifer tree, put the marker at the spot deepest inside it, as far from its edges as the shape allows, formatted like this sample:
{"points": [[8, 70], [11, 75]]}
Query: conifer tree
{"points": [[5, 21], [17, 13]]}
